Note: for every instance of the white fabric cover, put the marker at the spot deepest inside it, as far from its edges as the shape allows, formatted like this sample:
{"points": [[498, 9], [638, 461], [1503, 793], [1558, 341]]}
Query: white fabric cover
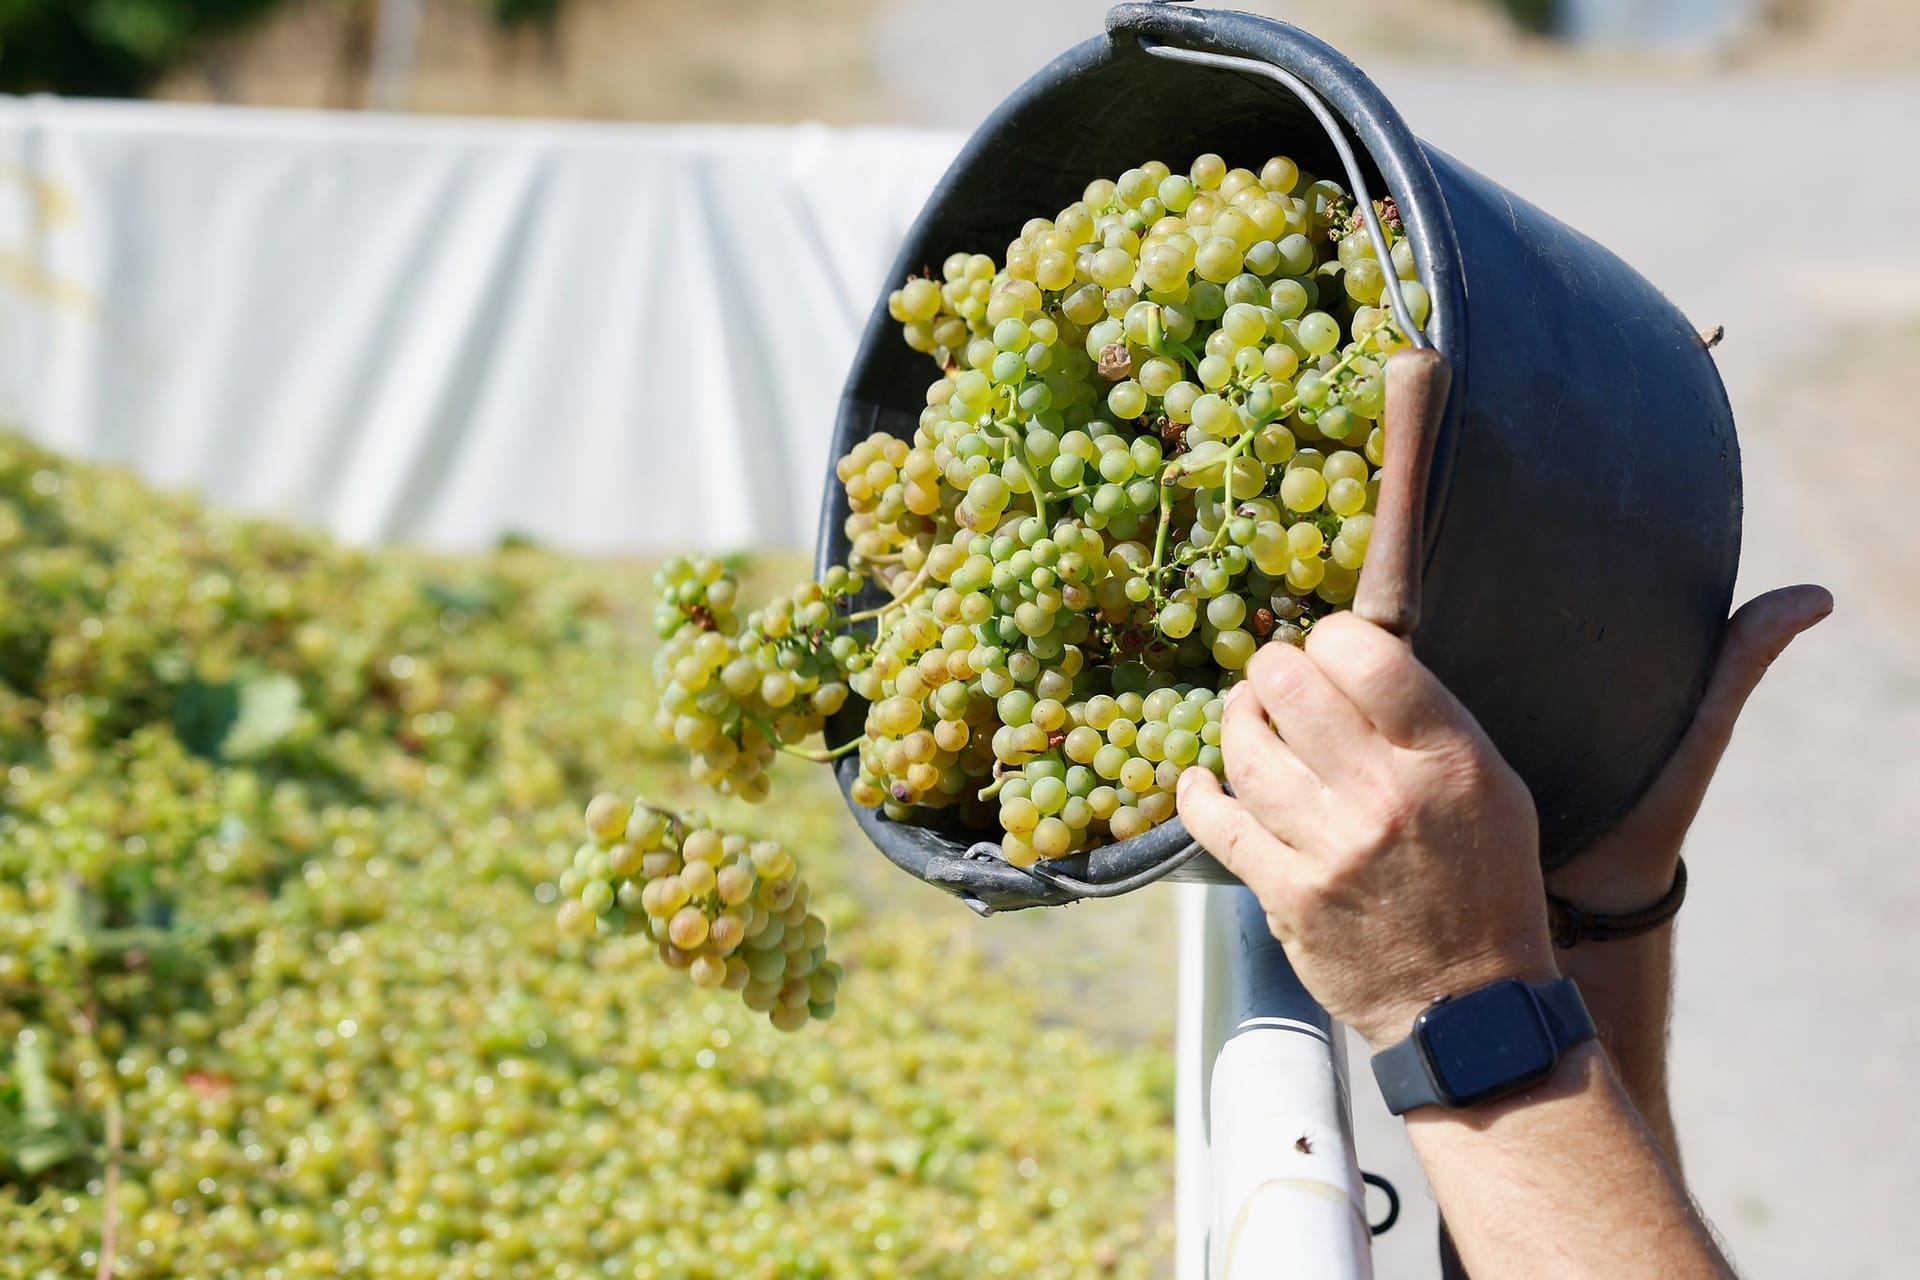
{"points": [[440, 330]]}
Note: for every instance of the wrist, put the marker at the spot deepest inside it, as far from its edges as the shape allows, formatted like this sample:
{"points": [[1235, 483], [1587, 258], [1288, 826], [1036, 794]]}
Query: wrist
{"points": [[1393, 1023], [1580, 1070], [1572, 923], [1608, 887]]}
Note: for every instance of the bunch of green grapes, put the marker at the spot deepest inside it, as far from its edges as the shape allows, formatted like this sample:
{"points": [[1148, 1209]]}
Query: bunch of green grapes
{"points": [[1152, 444], [732, 692], [730, 912]]}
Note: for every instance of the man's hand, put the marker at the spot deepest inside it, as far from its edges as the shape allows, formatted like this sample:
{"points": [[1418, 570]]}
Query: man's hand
{"points": [[1395, 853], [1397, 858], [1633, 865], [1628, 983]]}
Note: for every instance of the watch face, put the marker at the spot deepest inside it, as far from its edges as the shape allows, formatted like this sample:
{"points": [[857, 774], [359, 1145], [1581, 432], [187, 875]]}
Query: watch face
{"points": [[1486, 1042]]}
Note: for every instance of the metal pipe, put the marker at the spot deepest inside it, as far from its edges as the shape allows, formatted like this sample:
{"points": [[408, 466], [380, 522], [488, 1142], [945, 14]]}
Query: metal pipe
{"points": [[1282, 1190]]}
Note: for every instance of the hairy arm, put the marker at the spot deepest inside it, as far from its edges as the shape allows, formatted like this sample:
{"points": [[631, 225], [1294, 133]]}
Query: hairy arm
{"points": [[1397, 859], [1562, 1180]]}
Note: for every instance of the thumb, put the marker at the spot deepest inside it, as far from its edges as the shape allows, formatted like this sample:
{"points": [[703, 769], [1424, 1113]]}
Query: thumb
{"points": [[1758, 633]]}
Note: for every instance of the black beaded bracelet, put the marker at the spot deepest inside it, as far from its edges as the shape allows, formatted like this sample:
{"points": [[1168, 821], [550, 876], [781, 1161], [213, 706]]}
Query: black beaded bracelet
{"points": [[1569, 924]]}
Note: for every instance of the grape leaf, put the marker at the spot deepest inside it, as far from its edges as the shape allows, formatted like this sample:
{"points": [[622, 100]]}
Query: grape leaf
{"points": [[236, 719], [269, 709], [203, 713], [40, 1135], [474, 598]]}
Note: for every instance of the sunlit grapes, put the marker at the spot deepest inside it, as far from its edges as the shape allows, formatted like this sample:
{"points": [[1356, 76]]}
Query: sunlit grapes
{"points": [[1151, 445], [305, 949]]}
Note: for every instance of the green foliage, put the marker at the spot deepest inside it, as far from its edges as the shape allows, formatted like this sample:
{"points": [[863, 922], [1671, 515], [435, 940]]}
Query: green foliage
{"points": [[237, 719], [107, 48], [1538, 16], [120, 48], [510, 13]]}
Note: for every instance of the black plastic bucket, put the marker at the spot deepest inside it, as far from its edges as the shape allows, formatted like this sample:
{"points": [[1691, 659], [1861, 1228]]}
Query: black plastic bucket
{"points": [[1583, 507]]}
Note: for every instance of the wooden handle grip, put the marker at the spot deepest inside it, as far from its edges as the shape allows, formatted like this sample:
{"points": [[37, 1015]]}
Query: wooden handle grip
{"points": [[1389, 592]]}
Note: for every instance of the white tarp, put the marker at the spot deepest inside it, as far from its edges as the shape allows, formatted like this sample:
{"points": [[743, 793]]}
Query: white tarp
{"points": [[434, 330]]}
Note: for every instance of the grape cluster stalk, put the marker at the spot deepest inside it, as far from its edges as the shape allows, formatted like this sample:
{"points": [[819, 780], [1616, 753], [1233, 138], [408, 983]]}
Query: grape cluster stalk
{"points": [[1152, 443]]}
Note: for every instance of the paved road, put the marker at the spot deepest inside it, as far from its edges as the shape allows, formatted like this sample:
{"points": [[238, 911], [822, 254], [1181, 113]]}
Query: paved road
{"points": [[1785, 210]]}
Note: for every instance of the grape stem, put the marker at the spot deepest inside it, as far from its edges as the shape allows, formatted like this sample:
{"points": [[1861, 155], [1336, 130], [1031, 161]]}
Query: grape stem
{"points": [[1012, 436], [900, 597], [992, 789], [823, 756], [1161, 345], [1181, 466], [826, 755], [1160, 535], [1226, 492]]}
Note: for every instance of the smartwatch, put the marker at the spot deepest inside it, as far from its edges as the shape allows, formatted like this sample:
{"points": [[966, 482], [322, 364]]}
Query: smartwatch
{"points": [[1472, 1048]]}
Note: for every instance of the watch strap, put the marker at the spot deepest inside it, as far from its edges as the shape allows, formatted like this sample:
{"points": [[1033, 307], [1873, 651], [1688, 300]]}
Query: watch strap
{"points": [[1570, 925], [1406, 1082], [1565, 1013]]}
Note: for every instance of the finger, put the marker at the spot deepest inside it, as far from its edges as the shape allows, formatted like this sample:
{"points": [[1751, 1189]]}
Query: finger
{"points": [[1758, 633], [1377, 672], [1267, 776], [1325, 730], [1225, 828]]}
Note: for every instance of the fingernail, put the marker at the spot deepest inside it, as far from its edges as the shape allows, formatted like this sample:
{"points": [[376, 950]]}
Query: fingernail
{"points": [[1187, 779], [1235, 692]]}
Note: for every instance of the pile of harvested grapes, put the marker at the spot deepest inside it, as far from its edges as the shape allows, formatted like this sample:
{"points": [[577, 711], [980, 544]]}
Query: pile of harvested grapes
{"points": [[281, 995], [1152, 443], [279, 991]]}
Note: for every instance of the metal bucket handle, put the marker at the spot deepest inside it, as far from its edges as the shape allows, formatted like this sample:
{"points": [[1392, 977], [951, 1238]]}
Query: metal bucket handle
{"points": [[1336, 134]]}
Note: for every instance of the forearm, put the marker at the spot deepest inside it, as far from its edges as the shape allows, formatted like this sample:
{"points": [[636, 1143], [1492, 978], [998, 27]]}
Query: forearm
{"points": [[1627, 983], [1562, 1181], [1628, 988]]}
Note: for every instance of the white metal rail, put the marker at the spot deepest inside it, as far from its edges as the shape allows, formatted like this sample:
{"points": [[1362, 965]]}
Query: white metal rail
{"points": [[1269, 1183]]}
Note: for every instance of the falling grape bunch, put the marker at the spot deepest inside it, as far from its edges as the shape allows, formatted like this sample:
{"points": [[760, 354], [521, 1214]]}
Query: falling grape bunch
{"points": [[1152, 445], [729, 912]]}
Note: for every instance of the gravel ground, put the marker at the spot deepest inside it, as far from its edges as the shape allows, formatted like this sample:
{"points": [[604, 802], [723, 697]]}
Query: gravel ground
{"points": [[1795, 1008]]}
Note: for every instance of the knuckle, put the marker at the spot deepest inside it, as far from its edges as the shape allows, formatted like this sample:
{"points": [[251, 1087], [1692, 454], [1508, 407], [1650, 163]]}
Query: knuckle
{"points": [[1394, 817], [1458, 758], [1241, 837], [1281, 677], [1242, 845], [1328, 631], [1369, 666], [1379, 831], [1333, 876], [1243, 774], [1384, 815]]}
